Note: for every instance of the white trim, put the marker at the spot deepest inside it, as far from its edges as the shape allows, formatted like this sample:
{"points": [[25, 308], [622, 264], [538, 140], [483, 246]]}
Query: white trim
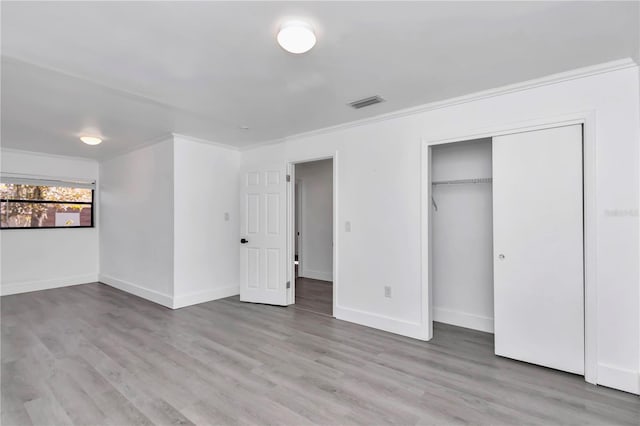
{"points": [[517, 127], [498, 91], [47, 155], [260, 144], [291, 162], [618, 378], [588, 120], [126, 93], [297, 216], [590, 206], [29, 286], [148, 294], [426, 274], [380, 322], [180, 301], [463, 319], [31, 179], [490, 93], [205, 142], [315, 275], [166, 137], [336, 227]]}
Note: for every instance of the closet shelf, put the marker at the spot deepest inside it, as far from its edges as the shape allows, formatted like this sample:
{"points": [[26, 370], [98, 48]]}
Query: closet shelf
{"points": [[462, 181]]}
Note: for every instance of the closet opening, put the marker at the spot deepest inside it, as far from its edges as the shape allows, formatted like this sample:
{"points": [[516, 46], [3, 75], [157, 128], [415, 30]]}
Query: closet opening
{"points": [[506, 247], [462, 237]]}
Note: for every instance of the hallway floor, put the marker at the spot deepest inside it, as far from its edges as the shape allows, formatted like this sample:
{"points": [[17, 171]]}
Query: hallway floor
{"points": [[314, 295]]}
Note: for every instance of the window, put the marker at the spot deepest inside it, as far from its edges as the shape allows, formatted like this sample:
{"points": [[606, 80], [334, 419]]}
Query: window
{"points": [[34, 203]]}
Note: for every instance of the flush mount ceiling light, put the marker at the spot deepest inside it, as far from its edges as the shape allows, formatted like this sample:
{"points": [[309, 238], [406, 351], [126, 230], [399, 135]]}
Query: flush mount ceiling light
{"points": [[90, 140], [296, 37]]}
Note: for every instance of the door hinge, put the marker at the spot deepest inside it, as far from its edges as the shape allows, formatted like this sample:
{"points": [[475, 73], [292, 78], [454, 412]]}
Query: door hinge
{"points": [[288, 284], [288, 178]]}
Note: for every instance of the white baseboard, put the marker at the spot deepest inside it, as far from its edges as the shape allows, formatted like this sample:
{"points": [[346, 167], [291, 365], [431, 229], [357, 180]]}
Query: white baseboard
{"points": [[619, 378], [381, 322], [28, 286], [152, 295], [180, 301], [316, 275], [463, 319]]}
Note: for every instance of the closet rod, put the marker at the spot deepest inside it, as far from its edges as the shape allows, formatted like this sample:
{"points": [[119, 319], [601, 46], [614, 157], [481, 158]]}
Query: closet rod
{"points": [[461, 181]]}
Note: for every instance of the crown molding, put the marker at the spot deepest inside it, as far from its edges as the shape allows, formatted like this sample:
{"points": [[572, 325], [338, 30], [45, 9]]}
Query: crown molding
{"points": [[499, 91], [125, 93], [269, 142], [4, 150], [205, 142], [149, 142], [575, 74], [171, 136]]}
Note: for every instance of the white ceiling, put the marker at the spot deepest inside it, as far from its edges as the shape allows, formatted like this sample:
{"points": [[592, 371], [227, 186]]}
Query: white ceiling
{"points": [[136, 71]]}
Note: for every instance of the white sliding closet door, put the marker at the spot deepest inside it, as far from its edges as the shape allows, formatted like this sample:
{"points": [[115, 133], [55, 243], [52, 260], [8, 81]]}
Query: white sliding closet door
{"points": [[538, 247]]}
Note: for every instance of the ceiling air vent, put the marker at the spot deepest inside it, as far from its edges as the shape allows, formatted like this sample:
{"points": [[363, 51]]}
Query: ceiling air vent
{"points": [[372, 100]]}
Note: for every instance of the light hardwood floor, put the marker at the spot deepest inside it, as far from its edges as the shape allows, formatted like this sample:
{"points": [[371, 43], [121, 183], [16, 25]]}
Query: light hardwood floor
{"points": [[92, 355]]}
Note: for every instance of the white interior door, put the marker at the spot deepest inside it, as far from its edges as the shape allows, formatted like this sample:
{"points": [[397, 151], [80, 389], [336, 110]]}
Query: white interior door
{"points": [[538, 247], [263, 232]]}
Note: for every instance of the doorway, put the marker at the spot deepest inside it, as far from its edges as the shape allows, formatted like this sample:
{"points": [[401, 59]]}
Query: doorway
{"points": [[313, 236]]}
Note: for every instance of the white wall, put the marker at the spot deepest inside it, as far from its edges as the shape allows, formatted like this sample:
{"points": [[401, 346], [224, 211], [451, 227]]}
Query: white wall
{"points": [[379, 190], [316, 190], [136, 222], [37, 259], [164, 233], [206, 222], [462, 236]]}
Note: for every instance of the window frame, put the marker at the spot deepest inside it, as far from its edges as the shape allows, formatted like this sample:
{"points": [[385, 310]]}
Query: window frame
{"points": [[92, 204]]}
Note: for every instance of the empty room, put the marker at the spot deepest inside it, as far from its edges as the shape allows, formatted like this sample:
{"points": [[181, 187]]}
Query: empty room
{"points": [[331, 213]]}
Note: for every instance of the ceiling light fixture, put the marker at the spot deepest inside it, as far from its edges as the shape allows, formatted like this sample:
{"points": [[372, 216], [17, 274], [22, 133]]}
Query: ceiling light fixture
{"points": [[296, 37], [90, 140]]}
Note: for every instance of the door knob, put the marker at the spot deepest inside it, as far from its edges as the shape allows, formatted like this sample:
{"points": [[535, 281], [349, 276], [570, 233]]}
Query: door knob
{"points": [[244, 241], [501, 256]]}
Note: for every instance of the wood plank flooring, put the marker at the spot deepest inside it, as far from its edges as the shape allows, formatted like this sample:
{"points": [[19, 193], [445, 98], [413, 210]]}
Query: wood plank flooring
{"points": [[92, 355], [314, 295]]}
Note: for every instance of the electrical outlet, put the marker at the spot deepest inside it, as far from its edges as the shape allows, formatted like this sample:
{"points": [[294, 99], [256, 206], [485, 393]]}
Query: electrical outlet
{"points": [[347, 226], [387, 291], [226, 217]]}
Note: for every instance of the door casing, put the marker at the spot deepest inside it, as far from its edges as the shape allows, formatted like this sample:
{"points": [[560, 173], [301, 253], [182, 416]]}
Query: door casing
{"points": [[297, 217]]}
